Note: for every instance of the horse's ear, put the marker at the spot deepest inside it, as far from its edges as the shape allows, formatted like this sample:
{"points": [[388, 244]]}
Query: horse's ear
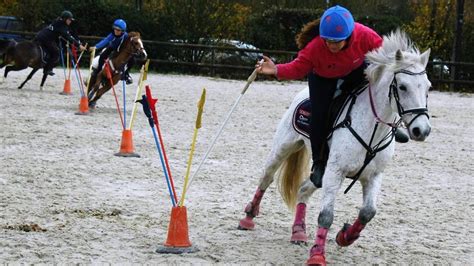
{"points": [[398, 55], [425, 57]]}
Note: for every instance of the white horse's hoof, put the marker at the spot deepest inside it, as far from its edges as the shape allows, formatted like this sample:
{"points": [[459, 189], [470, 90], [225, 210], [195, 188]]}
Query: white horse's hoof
{"points": [[2, 80], [41, 88]]}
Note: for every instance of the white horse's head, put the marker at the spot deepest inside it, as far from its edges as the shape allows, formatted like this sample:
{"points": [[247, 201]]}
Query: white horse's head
{"points": [[409, 83], [410, 87]]}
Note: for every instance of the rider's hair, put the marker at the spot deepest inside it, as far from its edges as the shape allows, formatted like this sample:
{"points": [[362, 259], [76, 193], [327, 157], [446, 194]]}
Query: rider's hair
{"points": [[307, 33]]}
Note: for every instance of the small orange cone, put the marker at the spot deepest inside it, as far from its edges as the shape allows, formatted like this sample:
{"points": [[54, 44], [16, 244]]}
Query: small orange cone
{"points": [[178, 238], [126, 147], [83, 106], [67, 87]]}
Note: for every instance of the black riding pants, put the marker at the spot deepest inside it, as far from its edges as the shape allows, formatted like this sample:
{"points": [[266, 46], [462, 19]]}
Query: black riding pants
{"points": [[53, 54], [321, 93]]}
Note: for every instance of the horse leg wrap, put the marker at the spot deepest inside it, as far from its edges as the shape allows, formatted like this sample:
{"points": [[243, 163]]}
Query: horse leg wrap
{"points": [[349, 233], [298, 234], [252, 209], [320, 242]]}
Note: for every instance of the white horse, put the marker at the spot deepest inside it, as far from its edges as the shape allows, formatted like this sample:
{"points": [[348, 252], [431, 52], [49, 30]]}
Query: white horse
{"points": [[361, 145]]}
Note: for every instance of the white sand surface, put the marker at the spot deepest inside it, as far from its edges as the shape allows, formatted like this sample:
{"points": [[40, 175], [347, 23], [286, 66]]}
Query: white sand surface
{"points": [[58, 171]]}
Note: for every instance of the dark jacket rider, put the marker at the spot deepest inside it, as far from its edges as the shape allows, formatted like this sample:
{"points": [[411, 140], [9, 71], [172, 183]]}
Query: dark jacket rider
{"points": [[48, 38]]}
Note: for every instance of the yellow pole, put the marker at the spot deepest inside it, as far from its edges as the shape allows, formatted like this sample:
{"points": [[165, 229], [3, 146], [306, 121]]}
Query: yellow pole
{"points": [[191, 152], [143, 77], [90, 70]]}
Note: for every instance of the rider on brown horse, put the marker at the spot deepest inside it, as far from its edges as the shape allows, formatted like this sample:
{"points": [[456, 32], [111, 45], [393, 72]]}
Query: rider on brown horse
{"points": [[112, 42], [48, 38]]}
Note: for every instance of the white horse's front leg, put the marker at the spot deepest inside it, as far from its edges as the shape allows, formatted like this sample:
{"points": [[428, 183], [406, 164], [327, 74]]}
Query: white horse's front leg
{"points": [[332, 181], [349, 233]]}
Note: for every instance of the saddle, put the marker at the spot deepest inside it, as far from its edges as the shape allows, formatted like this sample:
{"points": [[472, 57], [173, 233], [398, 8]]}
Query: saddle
{"points": [[302, 115]]}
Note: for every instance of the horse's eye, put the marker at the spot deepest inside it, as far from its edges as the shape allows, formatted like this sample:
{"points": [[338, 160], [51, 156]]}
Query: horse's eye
{"points": [[403, 88]]}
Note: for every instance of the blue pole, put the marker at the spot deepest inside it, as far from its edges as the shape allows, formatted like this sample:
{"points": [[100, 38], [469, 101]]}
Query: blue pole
{"points": [[62, 60], [77, 76], [158, 147], [124, 104]]}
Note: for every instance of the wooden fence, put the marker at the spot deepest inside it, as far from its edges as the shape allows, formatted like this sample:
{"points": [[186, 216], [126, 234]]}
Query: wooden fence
{"points": [[228, 61]]}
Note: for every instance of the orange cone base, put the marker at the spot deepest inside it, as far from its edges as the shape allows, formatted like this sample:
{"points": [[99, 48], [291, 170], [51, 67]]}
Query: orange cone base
{"points": [[178, 237], [67, 88], [83, 106], [126, 147]]}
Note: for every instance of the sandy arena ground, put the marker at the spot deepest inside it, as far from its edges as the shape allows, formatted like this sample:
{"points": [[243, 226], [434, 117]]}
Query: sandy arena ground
{"points": [[58, 171]]}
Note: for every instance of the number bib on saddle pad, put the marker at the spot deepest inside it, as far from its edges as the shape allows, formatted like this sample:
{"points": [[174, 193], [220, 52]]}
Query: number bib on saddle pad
{"points": [[302, 113], [301, 118]]}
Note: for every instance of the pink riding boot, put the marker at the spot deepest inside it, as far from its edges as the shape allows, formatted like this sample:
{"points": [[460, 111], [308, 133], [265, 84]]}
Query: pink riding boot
{"points": [[298, 235], [251, 211], [316, 254], [349, 233]]}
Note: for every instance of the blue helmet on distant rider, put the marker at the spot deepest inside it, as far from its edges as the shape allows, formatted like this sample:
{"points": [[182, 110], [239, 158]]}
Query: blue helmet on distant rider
{"points": [[336, 24], [120, 24]]}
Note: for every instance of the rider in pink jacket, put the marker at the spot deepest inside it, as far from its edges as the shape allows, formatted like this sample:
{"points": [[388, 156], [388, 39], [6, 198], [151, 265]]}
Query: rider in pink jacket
{"points": [[333, 58]]}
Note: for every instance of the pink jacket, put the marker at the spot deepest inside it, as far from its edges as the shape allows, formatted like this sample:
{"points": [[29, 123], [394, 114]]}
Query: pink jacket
{"points": [[316, 57]]}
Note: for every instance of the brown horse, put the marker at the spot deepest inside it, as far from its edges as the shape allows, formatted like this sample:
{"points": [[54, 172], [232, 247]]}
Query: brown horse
{"points": [[18, 56], [131, 47]]}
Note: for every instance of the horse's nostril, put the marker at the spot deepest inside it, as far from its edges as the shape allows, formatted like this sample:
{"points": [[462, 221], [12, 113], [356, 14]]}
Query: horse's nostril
{"points": [[416, 132]]}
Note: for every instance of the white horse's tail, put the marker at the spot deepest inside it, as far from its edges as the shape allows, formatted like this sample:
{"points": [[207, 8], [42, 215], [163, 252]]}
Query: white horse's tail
{"points": [[291, 174]]}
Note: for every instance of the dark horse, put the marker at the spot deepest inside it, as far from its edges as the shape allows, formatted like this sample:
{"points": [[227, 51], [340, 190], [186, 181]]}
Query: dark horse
{"points": [[18, 56], [131, 47]]}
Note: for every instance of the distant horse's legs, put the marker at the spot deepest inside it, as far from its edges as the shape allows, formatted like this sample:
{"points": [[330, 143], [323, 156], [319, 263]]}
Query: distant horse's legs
{"points": [[43, 79], [349, 233], [98, 93], [298, 235], [277, 156], [332, 182], [28, 78], [12, 68]]}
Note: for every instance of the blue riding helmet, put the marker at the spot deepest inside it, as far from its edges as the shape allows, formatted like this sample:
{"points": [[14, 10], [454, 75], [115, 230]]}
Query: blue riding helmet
{"points": [[336, 24], [120, 24]]}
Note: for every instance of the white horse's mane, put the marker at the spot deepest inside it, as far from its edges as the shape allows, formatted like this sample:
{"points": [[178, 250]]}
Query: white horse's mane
{"points": [[385, 56]]}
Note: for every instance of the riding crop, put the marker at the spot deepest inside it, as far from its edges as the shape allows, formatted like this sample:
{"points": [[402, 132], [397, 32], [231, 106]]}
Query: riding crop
{"points": [[250, 79]]}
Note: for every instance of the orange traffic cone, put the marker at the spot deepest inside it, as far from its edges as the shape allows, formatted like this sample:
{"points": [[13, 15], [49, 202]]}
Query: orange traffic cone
{"points": [[126, 147], [67, 87], [178, 238], [83, 106]]}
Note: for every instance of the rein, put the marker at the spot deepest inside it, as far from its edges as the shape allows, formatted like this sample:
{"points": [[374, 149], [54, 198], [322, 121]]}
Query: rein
{"points": [[371, 149]]}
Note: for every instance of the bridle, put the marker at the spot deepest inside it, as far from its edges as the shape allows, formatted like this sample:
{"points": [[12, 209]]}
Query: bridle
{"points": [[373, 148], [136, 51], [393, 90]]}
